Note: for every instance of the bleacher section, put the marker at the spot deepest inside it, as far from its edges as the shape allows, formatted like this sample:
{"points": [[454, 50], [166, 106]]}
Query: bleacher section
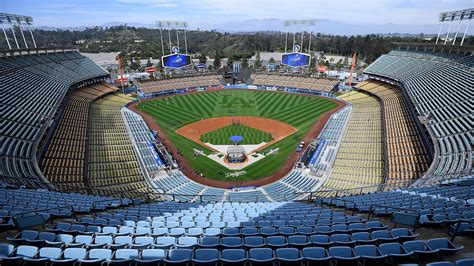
{"points": [[440, 87], [64, 162], [143, 140], [407, 158], [359, 160], [32, 88], [178, 83], [113, 167], [324, 85]]}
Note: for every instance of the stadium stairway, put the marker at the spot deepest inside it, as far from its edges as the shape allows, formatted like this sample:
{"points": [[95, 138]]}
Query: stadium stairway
{"points": [[257, 233]]}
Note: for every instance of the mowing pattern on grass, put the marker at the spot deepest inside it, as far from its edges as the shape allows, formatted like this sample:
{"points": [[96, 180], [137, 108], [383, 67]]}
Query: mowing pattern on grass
{"points": [[301, 112], [222, 135]]}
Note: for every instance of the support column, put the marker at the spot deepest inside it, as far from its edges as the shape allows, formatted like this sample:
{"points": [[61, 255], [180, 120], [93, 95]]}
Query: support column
{"points": [[177, 37], [439, 32], [185, 43], [169, 37], [447, 34], [6, 37], [457, 31], [23, 35], [31, 33], [14, 37], [465, 31], [162, 45]]}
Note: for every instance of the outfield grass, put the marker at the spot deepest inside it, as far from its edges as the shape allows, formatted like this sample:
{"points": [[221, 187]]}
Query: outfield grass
{"points": [[250, 135], [298, 111]]}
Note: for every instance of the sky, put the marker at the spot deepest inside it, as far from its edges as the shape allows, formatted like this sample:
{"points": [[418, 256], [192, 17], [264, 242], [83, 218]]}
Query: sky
{"points": [[209, 14]]}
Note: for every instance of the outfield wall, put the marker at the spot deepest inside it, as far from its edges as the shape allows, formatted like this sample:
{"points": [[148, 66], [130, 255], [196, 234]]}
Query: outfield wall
{"points": [[238, 87]]}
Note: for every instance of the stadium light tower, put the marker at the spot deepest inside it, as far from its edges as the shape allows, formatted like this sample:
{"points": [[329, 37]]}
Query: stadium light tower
{"points": [[171, 25], [305, 24], [19, 21], [450, 17]]}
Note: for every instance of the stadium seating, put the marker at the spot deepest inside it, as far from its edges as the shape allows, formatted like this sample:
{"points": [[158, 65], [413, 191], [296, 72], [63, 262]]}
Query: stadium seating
{"points": [[165, 233], [28, 202], [35, 84], [439, 86], [324, 85], [437, 205], [112, 165], [359, 160], [142, 137], [328, 141], [178, 83], [406, 157], [64, 162]]}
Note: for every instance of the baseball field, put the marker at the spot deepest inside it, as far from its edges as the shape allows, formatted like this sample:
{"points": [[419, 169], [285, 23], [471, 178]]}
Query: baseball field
{"points": [[296, 111]]}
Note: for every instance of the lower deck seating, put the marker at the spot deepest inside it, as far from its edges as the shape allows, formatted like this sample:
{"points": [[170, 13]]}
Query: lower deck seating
{"points": [[407, 159], [359, 160], [64, 162], [113, 167]]}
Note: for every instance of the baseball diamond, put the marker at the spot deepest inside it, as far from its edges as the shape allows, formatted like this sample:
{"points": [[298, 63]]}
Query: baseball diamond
{"points": [[250, 135], [296, 111]]}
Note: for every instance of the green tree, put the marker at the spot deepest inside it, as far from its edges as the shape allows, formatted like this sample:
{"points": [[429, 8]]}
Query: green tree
{"points": [[258, 60], [230, 62], [149, 63], [271, 60], [202, 58], [217, 60], [245, 62], [346, 61]]}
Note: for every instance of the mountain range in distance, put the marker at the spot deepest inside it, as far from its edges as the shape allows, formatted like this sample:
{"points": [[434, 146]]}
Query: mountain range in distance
{"points": [[276, 25]]}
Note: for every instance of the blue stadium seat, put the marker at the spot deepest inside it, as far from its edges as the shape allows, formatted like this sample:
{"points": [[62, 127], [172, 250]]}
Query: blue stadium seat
{"points": [[209, 242], [369, 253], [383, 236], [23, 236], [165, 241], [343, 254], [363, 238], [124, 256], [276, 242], [179, 257], [261, 256], [268, 231], [233, 256], [97, 257], [465, 262], [394, 250], [321, 240], [342, 240], [254, 242], [205, 256], [403, 234], [230, 231], [443, 245], [315, 255], [151, 256], [288, 256], [231, 242], [419, 248], [70, 256], [298, 241]]}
